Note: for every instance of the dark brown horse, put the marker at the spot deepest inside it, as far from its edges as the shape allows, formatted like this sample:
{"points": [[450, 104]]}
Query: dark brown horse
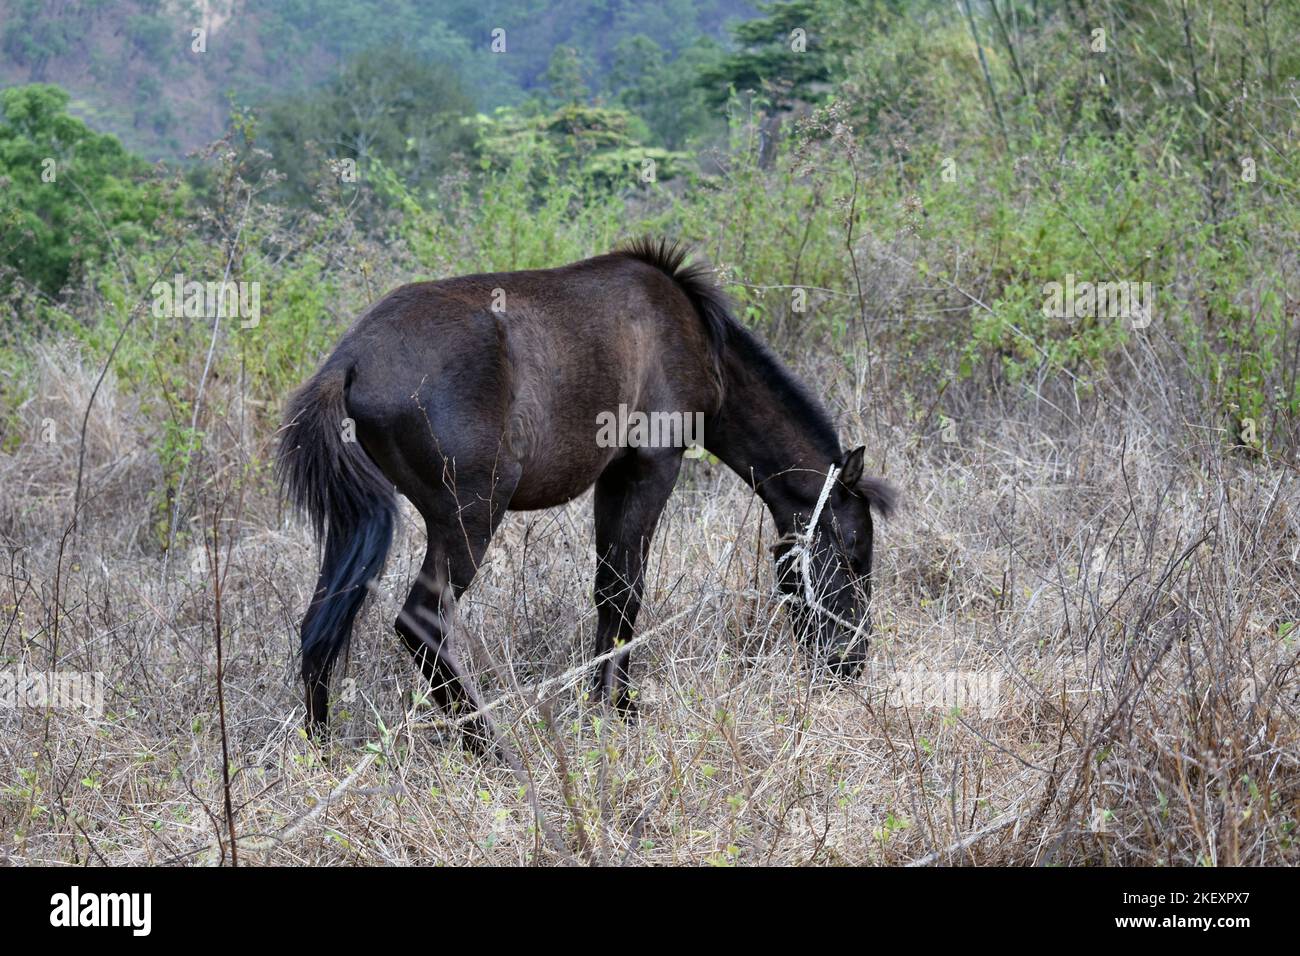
{"points": [[486, 393]]}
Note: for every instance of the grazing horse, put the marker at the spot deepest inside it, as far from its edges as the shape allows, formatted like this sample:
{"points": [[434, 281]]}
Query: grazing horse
{"points": [[481, 394]]}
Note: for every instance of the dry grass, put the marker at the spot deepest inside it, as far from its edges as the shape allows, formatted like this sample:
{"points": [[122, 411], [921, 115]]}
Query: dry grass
{"points": [[1128, 583]]}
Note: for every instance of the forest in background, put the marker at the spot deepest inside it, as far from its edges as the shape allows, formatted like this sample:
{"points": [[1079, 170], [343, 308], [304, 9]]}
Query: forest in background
{"points": [[137, 69], [997, 152]]}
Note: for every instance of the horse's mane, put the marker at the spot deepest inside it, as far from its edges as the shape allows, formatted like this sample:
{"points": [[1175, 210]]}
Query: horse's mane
{"points": [[725, 331], [694, 279]]}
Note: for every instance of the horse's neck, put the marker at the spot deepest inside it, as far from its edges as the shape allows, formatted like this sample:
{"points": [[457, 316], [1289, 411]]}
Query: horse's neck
{"points": [[781, 447]]}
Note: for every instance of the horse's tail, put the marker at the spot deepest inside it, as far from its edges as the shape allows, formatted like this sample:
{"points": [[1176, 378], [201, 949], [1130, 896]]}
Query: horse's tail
{"points": [[350, 503]]}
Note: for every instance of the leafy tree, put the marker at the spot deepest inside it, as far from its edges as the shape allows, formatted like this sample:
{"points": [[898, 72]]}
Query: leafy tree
{"points": [[636, 58], [564, 76], [601, 146], [781, 54], [64, 189], [153, 34], [665, 94], [390, 105], [33, 36]]}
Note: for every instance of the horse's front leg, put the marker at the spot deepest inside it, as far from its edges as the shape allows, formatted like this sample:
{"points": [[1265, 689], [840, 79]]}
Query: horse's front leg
{"points": [[630, 496]]}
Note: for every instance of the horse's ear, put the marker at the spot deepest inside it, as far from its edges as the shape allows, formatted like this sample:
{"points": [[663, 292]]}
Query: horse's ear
{"points": [[852, 466], [880, 494]]}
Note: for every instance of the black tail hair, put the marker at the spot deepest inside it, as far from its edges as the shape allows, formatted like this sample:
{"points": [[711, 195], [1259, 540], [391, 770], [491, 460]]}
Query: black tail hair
{"points": [[349, 502]]}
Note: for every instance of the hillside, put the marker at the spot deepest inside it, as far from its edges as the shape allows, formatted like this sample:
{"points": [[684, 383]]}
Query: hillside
{"points": [[133, 70]]}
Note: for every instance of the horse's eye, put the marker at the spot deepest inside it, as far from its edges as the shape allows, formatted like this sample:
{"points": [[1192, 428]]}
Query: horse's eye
{"points": [[859, 555]]}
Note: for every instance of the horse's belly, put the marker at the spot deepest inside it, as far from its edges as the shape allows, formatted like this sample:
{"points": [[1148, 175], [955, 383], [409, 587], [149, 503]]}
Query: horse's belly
{"points": [[557, 470], [547, 488]]}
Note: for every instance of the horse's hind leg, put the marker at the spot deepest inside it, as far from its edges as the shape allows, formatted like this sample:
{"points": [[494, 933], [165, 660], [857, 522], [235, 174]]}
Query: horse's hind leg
{"points": [[458, 539], [630, 496], [425, 625]]}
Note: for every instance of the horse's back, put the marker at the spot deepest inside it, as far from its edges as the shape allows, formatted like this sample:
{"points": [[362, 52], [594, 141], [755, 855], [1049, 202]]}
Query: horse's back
{"points": [[518, 366]]}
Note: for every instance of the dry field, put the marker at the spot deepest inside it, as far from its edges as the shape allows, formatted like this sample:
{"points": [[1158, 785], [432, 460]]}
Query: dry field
{"points": [[1085, 653]]}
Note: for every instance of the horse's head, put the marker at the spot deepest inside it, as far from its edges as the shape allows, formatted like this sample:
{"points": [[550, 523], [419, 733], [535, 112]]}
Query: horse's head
{"points": [[829, 575]]}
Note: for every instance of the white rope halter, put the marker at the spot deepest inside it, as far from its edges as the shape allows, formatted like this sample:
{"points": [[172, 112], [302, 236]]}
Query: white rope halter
{"points": [[802, 549]]}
